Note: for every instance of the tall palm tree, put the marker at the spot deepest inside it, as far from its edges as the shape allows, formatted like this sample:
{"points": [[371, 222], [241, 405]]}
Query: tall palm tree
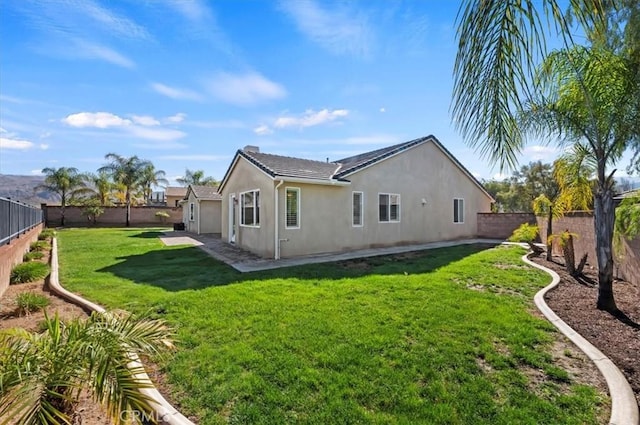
{"points": [[42, 374], [196, 178], [579, 95], [127, 171], [152, 177], [67, 182]]}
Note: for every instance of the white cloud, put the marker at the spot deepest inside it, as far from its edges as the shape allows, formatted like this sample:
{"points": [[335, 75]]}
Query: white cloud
{"points": [[310, 118], [7, 143], [138, 126], [539, 152], [37, 172], [175, 93], [244, 89], [87, 50], [383, 110], [262, 130], [145, 120], [177, 118], [44, 146], [95, 119], [193, 10], [110, 21], [2, 130], [338, 30], [500, 176]]}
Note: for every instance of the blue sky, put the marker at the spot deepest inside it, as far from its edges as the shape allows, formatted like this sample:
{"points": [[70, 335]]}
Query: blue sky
{"points": [[185, 83]]}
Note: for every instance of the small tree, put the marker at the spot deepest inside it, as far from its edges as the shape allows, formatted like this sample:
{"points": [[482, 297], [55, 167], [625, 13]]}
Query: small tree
{"points": [[92, 210], [163, 216]]}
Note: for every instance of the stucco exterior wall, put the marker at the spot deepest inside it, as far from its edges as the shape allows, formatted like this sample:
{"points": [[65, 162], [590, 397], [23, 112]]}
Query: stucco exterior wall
{"points": [[423, 172], [172, 201], [210, 218], [259, 240]]}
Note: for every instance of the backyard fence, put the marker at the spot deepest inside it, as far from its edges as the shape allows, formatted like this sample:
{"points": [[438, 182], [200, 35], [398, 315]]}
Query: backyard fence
{"points": [[16, 218]]}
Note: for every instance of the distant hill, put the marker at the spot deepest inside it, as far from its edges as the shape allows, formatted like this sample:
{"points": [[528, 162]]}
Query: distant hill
{"points": [[22, 188]]}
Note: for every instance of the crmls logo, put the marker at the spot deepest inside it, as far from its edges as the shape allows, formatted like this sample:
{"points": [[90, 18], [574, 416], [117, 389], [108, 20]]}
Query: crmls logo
{"points": [[137, 416]]}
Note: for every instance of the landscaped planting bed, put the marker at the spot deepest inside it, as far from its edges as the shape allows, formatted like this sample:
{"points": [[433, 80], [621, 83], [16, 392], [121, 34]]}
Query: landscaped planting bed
{"points": [[441, 336]]}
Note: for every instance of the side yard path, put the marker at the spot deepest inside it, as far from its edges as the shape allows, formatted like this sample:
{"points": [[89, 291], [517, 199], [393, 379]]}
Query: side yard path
{"points": [[437, 337]]}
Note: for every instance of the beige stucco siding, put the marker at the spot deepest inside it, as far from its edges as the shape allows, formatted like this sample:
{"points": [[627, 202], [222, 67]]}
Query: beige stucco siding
{"points": [[423, 172], [245, 177], [206, 214], [172, 201]]}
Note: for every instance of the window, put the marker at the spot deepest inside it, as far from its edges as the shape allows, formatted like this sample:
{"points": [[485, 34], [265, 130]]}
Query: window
{"points": [[357, 209], [293, 208], [177, 202], [191, 208], [458, 210], [250, 208], [389, 207]]}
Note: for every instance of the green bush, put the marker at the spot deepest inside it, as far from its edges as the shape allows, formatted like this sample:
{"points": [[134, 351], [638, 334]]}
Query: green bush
{"points": [[34, 255], [525, 233], [39, 246], [46, 234], [163, 216], [28, 302], [28, 272]]}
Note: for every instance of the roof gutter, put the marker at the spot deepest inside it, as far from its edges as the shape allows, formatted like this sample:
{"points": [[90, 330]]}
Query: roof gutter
{"points": [[276, 219], [283, 179]]}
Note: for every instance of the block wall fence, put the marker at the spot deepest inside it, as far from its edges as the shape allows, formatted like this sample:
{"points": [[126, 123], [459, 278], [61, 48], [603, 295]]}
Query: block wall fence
{"points": [[501, 225], [12, 253], [112, 216]]}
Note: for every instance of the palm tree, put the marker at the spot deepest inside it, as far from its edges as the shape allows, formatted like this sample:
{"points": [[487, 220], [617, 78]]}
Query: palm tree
{"points": [[67, 182], [128, 172], [573, 174], [579, 95], [196, 178], [152, 177], [102, 187], [42, 374]]}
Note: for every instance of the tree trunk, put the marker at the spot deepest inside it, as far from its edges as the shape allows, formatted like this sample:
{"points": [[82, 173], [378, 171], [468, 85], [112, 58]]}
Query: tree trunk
{"points": [[604, 215], [128, 202], [549, 233], [63, 203], [569, 253]]}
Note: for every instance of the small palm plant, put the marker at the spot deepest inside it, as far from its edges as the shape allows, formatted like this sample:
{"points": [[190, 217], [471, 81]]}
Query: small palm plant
{"points": [[42, 374]]}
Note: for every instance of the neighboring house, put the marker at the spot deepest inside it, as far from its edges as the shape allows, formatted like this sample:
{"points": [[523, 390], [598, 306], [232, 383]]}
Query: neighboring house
{"points": [[413, 192], [173, 195], [201, 209]]}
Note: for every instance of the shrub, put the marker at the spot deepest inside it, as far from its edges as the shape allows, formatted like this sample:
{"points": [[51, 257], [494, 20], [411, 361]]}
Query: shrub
{"points": [[39, 246], [163, 216], [34, 255], [28, 272], [46, 234], [28, 302], [525, 233]]}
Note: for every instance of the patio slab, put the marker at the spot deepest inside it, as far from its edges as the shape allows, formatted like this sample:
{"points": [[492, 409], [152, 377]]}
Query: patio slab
{"points": [[245, 261]]}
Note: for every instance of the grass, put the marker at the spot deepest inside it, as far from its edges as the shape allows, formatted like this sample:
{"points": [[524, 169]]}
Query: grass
{"points": [[28, 272], [440, 337], [40, 245], [28, 302]]}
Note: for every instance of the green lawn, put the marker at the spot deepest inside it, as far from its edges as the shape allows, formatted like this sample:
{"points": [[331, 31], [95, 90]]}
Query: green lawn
{"points": [[440, 337]]}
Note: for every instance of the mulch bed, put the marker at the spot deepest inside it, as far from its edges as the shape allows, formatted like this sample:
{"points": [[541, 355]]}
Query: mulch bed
{"points": [[618, 338]]}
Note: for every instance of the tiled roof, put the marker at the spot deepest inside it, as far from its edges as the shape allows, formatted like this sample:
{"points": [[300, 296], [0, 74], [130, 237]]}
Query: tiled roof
{"points": [[353, 163], [205, 192], [175, 191], [285, 166]]}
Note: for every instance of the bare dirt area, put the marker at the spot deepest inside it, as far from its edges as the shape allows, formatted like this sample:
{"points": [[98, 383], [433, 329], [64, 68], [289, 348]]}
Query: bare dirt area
{"points": [[617, 337]]}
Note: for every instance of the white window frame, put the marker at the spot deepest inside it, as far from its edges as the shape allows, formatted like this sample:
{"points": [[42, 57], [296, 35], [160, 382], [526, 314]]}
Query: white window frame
{"points": [[353, 206], [256, 208], [286, 207], [389, 195], [192, 207], [459, 219]]}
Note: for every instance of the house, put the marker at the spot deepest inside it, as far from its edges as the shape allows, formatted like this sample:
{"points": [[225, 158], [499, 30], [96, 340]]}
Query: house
{"points": [[173, 195], [412, 192], [201, 209]]}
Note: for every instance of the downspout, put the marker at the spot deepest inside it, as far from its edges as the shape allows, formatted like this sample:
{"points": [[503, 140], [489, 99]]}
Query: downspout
{"points": [[198, 216], [277, 220]]}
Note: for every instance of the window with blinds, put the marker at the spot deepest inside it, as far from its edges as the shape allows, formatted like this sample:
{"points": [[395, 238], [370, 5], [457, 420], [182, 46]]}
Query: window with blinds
{"points": [[357, 209], [388, 208], [292, 209], [250, 208]]}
